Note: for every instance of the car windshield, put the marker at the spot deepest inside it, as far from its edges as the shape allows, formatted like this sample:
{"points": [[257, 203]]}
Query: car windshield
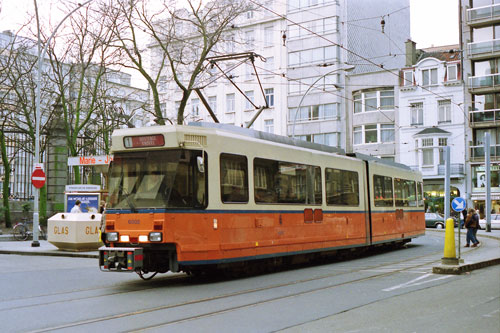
{"points": [[157, 179]]}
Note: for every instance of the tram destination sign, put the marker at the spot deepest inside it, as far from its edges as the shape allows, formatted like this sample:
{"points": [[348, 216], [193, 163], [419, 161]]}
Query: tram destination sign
{"points": [[142, 141]]}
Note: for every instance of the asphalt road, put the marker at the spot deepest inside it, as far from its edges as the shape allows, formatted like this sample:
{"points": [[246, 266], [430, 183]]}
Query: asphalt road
{"points": [[392, 291]]}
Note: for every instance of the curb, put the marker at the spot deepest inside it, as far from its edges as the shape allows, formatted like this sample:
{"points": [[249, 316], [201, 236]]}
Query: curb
{"points": [[52, 254], [457, 270]]}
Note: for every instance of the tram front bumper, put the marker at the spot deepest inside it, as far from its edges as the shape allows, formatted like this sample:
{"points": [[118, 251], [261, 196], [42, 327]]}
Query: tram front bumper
{"points": [[120, 259]]}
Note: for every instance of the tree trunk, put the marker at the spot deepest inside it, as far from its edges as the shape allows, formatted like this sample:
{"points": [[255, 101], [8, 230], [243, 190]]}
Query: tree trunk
{"points": [[6, 181], [182, 106]]}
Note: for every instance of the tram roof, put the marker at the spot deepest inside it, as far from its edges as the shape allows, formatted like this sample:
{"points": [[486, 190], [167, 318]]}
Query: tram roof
{"points": [[295, 142], [270, 137]]}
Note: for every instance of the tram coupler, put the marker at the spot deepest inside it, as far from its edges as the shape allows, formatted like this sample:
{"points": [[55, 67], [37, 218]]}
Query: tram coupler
{"points": [[120, 259]]}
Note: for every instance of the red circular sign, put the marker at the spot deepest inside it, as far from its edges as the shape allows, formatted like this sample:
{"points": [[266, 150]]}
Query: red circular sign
{"points": [[38, 178]]}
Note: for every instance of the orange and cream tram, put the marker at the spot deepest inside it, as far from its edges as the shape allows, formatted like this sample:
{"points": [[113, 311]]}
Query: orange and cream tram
{"points": [[193, 198]]}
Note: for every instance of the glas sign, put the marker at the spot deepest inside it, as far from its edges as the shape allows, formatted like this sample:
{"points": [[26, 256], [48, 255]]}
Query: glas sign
{"points": [[141, 141]]}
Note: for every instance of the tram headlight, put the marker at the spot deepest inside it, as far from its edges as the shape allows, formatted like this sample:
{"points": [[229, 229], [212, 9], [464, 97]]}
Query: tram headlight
{"points": [[112, 236], [155, 236], [124, 238], [143, 238]]}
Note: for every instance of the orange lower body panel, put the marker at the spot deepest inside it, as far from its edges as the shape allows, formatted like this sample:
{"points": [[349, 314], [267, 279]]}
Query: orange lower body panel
{"points": [[223, 237]]}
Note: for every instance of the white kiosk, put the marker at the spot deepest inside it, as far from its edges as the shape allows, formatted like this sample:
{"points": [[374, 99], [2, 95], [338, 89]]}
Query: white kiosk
{"points": [[77, 231]]}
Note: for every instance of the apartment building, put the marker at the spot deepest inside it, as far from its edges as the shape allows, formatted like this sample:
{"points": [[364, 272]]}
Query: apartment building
{"points": [[258, 31], [480, 36], [332, 46], [431, 117]]}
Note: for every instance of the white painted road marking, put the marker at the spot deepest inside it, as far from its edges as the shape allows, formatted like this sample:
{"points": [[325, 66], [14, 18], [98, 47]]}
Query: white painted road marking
{"points": [[415, 282]]}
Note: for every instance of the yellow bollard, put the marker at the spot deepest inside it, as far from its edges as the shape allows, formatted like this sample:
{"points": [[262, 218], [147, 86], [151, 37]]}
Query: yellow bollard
{"points": [[449, 257]]}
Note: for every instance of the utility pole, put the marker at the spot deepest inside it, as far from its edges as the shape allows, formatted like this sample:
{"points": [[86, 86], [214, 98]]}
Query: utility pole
{"points": [[41, 54], [487, 205]]}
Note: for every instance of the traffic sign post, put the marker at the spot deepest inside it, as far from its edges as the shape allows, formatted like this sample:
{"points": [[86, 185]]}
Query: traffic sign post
{"points": [[458, 205], [38, 178]]}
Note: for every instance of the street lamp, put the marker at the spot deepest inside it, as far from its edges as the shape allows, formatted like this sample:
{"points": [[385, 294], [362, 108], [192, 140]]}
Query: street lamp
{"points": [[41, 53], [345, 69]]}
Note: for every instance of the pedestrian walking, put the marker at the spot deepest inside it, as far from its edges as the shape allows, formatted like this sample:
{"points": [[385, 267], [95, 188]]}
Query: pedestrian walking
{"points": [[471, 223], [76, 208]]}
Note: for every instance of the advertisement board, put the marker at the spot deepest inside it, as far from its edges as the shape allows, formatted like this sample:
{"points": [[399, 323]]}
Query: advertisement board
{"points": [[89, 202]]}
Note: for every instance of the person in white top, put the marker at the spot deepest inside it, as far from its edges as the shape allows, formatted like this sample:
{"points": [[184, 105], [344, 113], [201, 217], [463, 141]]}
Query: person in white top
{"points": [[76, 208]]}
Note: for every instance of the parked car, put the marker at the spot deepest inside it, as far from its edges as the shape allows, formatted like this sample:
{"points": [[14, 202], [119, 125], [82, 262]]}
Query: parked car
{"points": [[495, 222], [434, 220]]}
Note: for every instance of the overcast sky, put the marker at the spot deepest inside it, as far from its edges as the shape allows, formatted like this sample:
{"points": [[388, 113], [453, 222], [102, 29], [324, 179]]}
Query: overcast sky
{"points": [[433, 22]]}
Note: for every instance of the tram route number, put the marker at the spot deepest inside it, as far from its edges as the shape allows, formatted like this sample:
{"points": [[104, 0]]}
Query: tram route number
{"points": [[65, 230]]}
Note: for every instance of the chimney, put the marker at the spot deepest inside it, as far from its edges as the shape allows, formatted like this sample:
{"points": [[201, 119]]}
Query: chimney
{"points": [[411, 53]]}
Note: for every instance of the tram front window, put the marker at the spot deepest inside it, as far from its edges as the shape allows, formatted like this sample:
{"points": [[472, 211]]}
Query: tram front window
{"points": [[157, 179]]}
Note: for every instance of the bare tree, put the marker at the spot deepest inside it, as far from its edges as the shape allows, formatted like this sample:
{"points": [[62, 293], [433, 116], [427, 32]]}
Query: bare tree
{"points": [[79, 62], [183, 37]]}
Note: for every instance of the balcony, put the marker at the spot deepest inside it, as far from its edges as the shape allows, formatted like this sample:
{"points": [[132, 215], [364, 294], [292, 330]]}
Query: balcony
{"points": [[482, 50], [485, 118], [457, 170], [483, 15], [477, 153], [485, 83]]}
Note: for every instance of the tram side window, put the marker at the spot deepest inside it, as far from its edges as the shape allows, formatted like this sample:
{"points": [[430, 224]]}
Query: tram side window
{"points": [[284, 182], [342, 187], [382, 191], [420, 194], [405, 192], [233, 178]]}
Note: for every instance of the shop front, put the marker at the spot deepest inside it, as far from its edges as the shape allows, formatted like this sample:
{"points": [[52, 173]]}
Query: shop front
{"points": [[479, 185]]}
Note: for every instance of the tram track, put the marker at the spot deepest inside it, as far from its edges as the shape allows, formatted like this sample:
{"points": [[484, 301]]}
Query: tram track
{"points": [[369, 268]]}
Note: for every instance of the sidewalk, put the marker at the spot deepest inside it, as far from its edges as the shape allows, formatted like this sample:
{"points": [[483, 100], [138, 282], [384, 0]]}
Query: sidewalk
{"points": [[487, 254]]}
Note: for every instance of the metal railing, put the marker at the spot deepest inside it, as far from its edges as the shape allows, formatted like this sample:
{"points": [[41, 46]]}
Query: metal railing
{"points": [[485, 116], [486, 47], [455, 169], [483, 13], [477, 152], [485, 81]]}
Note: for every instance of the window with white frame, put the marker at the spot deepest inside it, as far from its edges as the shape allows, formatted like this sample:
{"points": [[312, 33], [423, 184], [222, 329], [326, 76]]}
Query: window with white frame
{"points": [[427, 152], [408, 78], [269, 125], [387, 100], [249, 39], [195, 107], [230, 103], [212, 102], [373, 133], [314, 112], [269, 66], [329, 139], [358, 135], [317, 26], [316, 55], [162, 84], [452, 71], [269, 93], [268, 36], [358, 103], [429, 77], [387, 133], [442, 142], [249, 14], [444, 111], [248, 105], [417, 113], [368, 101]]}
